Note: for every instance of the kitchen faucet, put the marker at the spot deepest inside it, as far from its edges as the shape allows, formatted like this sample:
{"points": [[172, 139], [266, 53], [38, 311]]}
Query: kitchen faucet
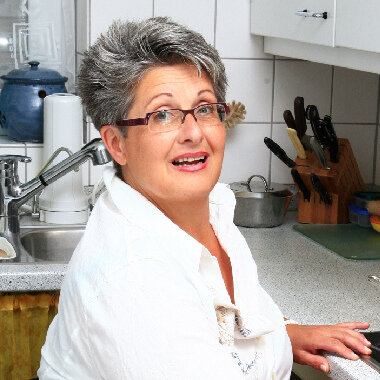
{"points": [[13, 194]]}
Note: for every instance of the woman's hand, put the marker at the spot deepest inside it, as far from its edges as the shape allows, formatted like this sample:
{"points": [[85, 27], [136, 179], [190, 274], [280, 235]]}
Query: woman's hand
{"points": [[340, 338]]}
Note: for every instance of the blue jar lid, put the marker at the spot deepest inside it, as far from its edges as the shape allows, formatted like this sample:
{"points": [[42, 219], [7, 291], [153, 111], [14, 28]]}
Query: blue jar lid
{"points": [[358, 210], [34, 75]]}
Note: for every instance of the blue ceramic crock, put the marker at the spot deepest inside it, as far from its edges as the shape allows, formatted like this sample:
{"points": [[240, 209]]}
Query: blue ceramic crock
{"points": [[22, 99]]}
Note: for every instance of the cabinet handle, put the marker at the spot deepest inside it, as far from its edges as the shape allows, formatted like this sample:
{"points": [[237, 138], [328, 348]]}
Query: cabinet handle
{"points": [[305, 13]]}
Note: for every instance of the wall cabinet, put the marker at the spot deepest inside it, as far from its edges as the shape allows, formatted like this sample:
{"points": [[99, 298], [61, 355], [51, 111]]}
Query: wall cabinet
{"points": [[340, 32], [277, 18], [357, 25]]}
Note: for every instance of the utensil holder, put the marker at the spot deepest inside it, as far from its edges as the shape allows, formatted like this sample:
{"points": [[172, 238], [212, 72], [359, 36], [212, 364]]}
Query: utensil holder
{"points": [[341, 181]]}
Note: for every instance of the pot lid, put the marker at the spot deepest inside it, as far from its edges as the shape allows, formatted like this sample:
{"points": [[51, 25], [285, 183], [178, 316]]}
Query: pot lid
{"points": [[34, 75], [256, 186]]}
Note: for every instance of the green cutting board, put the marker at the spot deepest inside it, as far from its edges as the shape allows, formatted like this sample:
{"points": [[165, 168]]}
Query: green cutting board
{"points": [[347, 240]]}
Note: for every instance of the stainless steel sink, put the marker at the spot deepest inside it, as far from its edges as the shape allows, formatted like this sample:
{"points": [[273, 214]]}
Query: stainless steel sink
{"points": [[52, 244]]}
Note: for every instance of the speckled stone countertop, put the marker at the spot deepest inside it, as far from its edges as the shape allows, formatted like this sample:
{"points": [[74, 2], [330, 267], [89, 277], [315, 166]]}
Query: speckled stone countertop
{"points": [[310, 284], [314, 285]]}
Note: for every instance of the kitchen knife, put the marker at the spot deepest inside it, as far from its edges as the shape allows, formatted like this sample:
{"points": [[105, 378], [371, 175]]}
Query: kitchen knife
{"points": [[300, 117], [313, 115], [292, 133], [279, 152], [330, 141], [291, 123], [319, 153], [323, 193], [301, 184], [333, 146], [306, 142], [289, 119]]}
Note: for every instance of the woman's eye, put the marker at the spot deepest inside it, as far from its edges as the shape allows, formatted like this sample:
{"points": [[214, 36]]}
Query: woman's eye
{"points": [[205, 110], [163, 116]]}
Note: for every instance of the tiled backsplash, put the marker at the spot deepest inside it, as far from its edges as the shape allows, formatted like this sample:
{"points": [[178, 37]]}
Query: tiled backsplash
{"points": [[267, 85]]}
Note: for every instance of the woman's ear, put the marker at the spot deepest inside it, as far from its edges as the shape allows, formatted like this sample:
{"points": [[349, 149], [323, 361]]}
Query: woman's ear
{"points": [[114, 142]]}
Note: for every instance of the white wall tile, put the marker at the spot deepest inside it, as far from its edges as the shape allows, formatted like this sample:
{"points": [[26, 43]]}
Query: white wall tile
{"points": [[310, 80], [355, 96], [233, 36], [35, 152], [93, 132], [250, 82], [78, 58], [18, 149], [198, 15], [86, 173], [362, 140], [103, 12], [280, 173], [245, 153], [82, 27]]}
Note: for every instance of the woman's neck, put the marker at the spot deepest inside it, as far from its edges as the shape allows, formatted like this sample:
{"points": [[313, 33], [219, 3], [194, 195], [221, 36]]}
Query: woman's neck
{"points": [[191, 216]]}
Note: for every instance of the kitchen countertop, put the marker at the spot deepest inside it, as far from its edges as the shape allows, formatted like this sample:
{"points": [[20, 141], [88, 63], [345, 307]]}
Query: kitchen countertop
{"points": [[314, 285], [310, 284]]}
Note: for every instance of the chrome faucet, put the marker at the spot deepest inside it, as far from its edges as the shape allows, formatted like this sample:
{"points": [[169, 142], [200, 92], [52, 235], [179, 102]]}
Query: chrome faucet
{"points": [[13, 194]]}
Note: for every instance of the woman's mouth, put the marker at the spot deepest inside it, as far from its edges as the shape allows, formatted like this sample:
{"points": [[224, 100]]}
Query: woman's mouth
{"points": [[190, 163], [186, 161]]}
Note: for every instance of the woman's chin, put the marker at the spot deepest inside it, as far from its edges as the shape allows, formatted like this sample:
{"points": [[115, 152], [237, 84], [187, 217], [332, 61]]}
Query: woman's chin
{"points": [[194, 192]]}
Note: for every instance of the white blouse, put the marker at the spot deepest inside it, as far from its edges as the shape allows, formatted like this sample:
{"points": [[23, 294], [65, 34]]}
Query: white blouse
{"points": [[143, 300]]}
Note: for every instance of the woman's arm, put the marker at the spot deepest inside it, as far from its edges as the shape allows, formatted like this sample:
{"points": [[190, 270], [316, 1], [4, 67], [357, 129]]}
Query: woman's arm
{"points": [[341, 338]]}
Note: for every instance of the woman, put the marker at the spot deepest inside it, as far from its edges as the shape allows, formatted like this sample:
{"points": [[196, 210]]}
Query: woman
{"points": [[162, 284]]}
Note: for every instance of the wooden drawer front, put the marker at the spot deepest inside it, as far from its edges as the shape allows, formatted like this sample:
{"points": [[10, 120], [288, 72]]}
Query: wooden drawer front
{"points": [[358, 24], [276, 18]]}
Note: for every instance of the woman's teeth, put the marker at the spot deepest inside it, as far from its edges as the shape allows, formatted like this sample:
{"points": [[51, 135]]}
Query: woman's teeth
{"points": [[188, 161]]}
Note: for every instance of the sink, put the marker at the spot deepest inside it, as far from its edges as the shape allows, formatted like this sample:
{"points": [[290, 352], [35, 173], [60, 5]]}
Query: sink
{"points": [[373, 360], [52, 244]]}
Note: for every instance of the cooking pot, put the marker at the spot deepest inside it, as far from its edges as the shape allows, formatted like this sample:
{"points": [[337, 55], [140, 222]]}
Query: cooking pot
{"points": [[22, 98], [260, 206]]}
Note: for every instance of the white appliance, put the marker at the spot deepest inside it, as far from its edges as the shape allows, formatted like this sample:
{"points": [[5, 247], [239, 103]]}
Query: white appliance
{"points": [[64, 201]]}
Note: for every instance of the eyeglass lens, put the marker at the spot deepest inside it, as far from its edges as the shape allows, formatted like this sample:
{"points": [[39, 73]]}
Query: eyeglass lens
{"points": [[205, 114]]}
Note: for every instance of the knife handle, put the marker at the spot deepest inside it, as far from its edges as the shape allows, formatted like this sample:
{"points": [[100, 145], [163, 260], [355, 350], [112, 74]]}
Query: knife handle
{"points": [[317, 184], [330, 141], [313, 115], [301, 184], [279, 152], [333, 146], [289, 119], [329, 126], [296, 143], [300, 116]]}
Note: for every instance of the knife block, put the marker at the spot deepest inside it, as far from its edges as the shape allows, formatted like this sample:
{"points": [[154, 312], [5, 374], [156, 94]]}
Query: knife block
{"points": [[341, 181]]}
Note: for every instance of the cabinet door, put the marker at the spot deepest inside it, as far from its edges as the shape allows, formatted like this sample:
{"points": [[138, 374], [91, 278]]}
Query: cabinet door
{"points": [[277, 18], [358, 24]]}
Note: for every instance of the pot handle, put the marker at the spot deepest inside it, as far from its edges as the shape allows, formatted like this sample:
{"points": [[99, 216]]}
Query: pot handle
{"points": [[266, 187]]}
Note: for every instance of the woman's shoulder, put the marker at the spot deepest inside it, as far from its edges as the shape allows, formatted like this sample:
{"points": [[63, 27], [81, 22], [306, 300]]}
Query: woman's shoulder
{"points": [[112, 246]]}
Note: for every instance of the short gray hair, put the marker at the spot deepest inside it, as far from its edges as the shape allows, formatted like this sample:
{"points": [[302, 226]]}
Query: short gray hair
{"points": [[113, 66]]}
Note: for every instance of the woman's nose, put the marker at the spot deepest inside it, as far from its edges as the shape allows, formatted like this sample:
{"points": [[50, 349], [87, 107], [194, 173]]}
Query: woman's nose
{"points": [[190, 131]]}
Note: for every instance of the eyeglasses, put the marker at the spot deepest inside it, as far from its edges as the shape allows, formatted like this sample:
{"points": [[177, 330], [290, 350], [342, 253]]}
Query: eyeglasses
{"points": [[169, 120]]}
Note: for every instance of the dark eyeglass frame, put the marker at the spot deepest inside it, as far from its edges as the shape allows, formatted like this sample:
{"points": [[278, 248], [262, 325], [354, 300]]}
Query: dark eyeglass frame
{"points": [[145, 120]]}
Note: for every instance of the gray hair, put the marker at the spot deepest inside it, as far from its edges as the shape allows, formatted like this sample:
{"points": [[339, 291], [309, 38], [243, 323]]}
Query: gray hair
{"points": [[118, 60]]}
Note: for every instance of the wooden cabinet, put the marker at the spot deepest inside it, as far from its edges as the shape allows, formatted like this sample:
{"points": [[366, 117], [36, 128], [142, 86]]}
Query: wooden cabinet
{"points": [[349, 36]]}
